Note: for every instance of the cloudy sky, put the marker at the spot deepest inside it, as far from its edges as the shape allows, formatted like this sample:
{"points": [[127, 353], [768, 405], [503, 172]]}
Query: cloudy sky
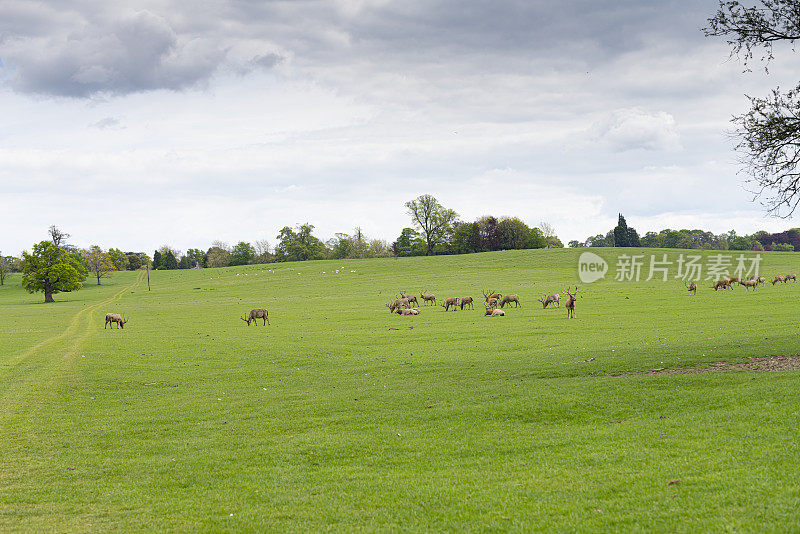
{"points": [[138, 124]]}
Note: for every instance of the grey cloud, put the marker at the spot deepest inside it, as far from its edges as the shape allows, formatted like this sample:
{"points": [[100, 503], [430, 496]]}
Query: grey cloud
{"points": [[136, 53], [107, 123]]}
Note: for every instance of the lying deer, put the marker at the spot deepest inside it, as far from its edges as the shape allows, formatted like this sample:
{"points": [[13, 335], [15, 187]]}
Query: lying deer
{"points": [[450, 301], [570, 304], [467, 301], [408, 311], [491, 312], [428, 297], [691, 287], [508, 299], [114, 318], [550, 299], [260, 313]]}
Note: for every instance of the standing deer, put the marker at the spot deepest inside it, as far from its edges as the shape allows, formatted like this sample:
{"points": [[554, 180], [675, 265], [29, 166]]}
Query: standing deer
{"points": [[450, 301], [791, 277], [397, 303], [260, 313], [748, 284], [721, 284], [550, 299], [691, 287], [508, 299], [777, 279], [411, 298], [467, 301], [114, 319], [428, 297], [490, 295], [761, 280], [570, 304]]}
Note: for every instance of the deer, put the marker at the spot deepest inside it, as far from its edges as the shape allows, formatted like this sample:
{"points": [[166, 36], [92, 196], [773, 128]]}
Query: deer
{"points": [[791, 277], [761, 280], [397, 303], [508, 299], [428, 297], [450, 301], [407, 311], [411, 298], [490, 295], [692, 288], [492, 312], [777, 279], [748, 284], [115, 319], [467, 301], [570, 304], [259, 313], [720, 284], [550, 299], [733, 280]]}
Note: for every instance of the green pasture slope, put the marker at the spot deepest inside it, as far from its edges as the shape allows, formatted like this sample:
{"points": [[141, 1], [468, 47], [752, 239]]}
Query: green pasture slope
{"points": [[342, 417]]}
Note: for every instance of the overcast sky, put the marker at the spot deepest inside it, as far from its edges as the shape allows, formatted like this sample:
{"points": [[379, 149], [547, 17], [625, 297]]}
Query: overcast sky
{"points": [[182, 123]]}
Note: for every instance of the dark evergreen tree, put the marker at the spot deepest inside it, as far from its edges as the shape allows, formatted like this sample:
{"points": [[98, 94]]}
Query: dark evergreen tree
{"points": [[157, 260], [169, 261]]}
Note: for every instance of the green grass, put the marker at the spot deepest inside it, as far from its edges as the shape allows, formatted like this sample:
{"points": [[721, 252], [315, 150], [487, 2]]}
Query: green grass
{"points": [[331, 420]]}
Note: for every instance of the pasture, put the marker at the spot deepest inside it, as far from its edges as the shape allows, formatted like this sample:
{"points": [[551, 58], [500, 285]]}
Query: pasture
{"points": [[341, 416]]}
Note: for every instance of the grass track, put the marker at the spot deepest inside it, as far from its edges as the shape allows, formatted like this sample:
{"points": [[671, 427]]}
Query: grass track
{"points": [[328, 420]]}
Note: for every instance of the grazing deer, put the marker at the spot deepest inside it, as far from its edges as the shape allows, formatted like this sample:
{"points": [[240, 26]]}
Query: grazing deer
{"points": [[508, 299], [691, 287], [748, 284], [397, 303], [490, 295], [411, 298], [733, 280], [550, 299], [491, 312], [791, 277], [428, 297], [114, 318], [450, 301], [467, 301], [260, 313], [492, 302], [721, 284], [761, 280], [570, 304], [777, 279]]}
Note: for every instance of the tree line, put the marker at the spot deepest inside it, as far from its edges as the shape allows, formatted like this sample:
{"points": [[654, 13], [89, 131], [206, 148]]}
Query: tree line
{"points": [[624, 236]]}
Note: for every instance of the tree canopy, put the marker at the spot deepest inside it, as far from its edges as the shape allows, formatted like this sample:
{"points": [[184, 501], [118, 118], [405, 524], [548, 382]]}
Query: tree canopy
{"points": [[50, 269], [98, 262], [432, 219], [769, 133]]}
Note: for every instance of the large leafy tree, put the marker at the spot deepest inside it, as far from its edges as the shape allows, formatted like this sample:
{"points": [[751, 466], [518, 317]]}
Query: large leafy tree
{"points": [[49, 269], [300, 245], [98, 262], [118, 258], [432, 219], [769, 133], [242, 254]]}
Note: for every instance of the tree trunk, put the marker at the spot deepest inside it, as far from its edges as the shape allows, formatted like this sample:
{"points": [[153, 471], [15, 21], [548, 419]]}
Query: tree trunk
{"points": [[48, 295]]}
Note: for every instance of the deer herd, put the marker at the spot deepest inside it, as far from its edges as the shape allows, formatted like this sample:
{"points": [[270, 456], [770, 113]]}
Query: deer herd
{"points": [[753, 283], [494, 303]]}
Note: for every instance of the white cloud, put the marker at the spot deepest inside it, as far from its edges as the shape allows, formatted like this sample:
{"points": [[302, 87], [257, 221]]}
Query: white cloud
{"points": [[637, 129]]}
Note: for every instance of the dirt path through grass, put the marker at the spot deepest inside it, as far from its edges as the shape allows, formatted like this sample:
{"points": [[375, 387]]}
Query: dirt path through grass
{"points": [[36, 365]]}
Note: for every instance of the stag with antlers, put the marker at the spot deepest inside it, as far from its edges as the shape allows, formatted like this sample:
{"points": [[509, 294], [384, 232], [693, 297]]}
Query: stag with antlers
{"points": [[570, 304], [692, 288]]}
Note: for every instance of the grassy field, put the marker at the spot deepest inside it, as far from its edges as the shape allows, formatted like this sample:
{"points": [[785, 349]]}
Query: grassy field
{"points": [[343, 417]]}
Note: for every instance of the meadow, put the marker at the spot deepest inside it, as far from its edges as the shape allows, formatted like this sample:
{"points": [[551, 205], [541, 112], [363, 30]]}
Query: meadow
{"points": [[343, 417]]}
